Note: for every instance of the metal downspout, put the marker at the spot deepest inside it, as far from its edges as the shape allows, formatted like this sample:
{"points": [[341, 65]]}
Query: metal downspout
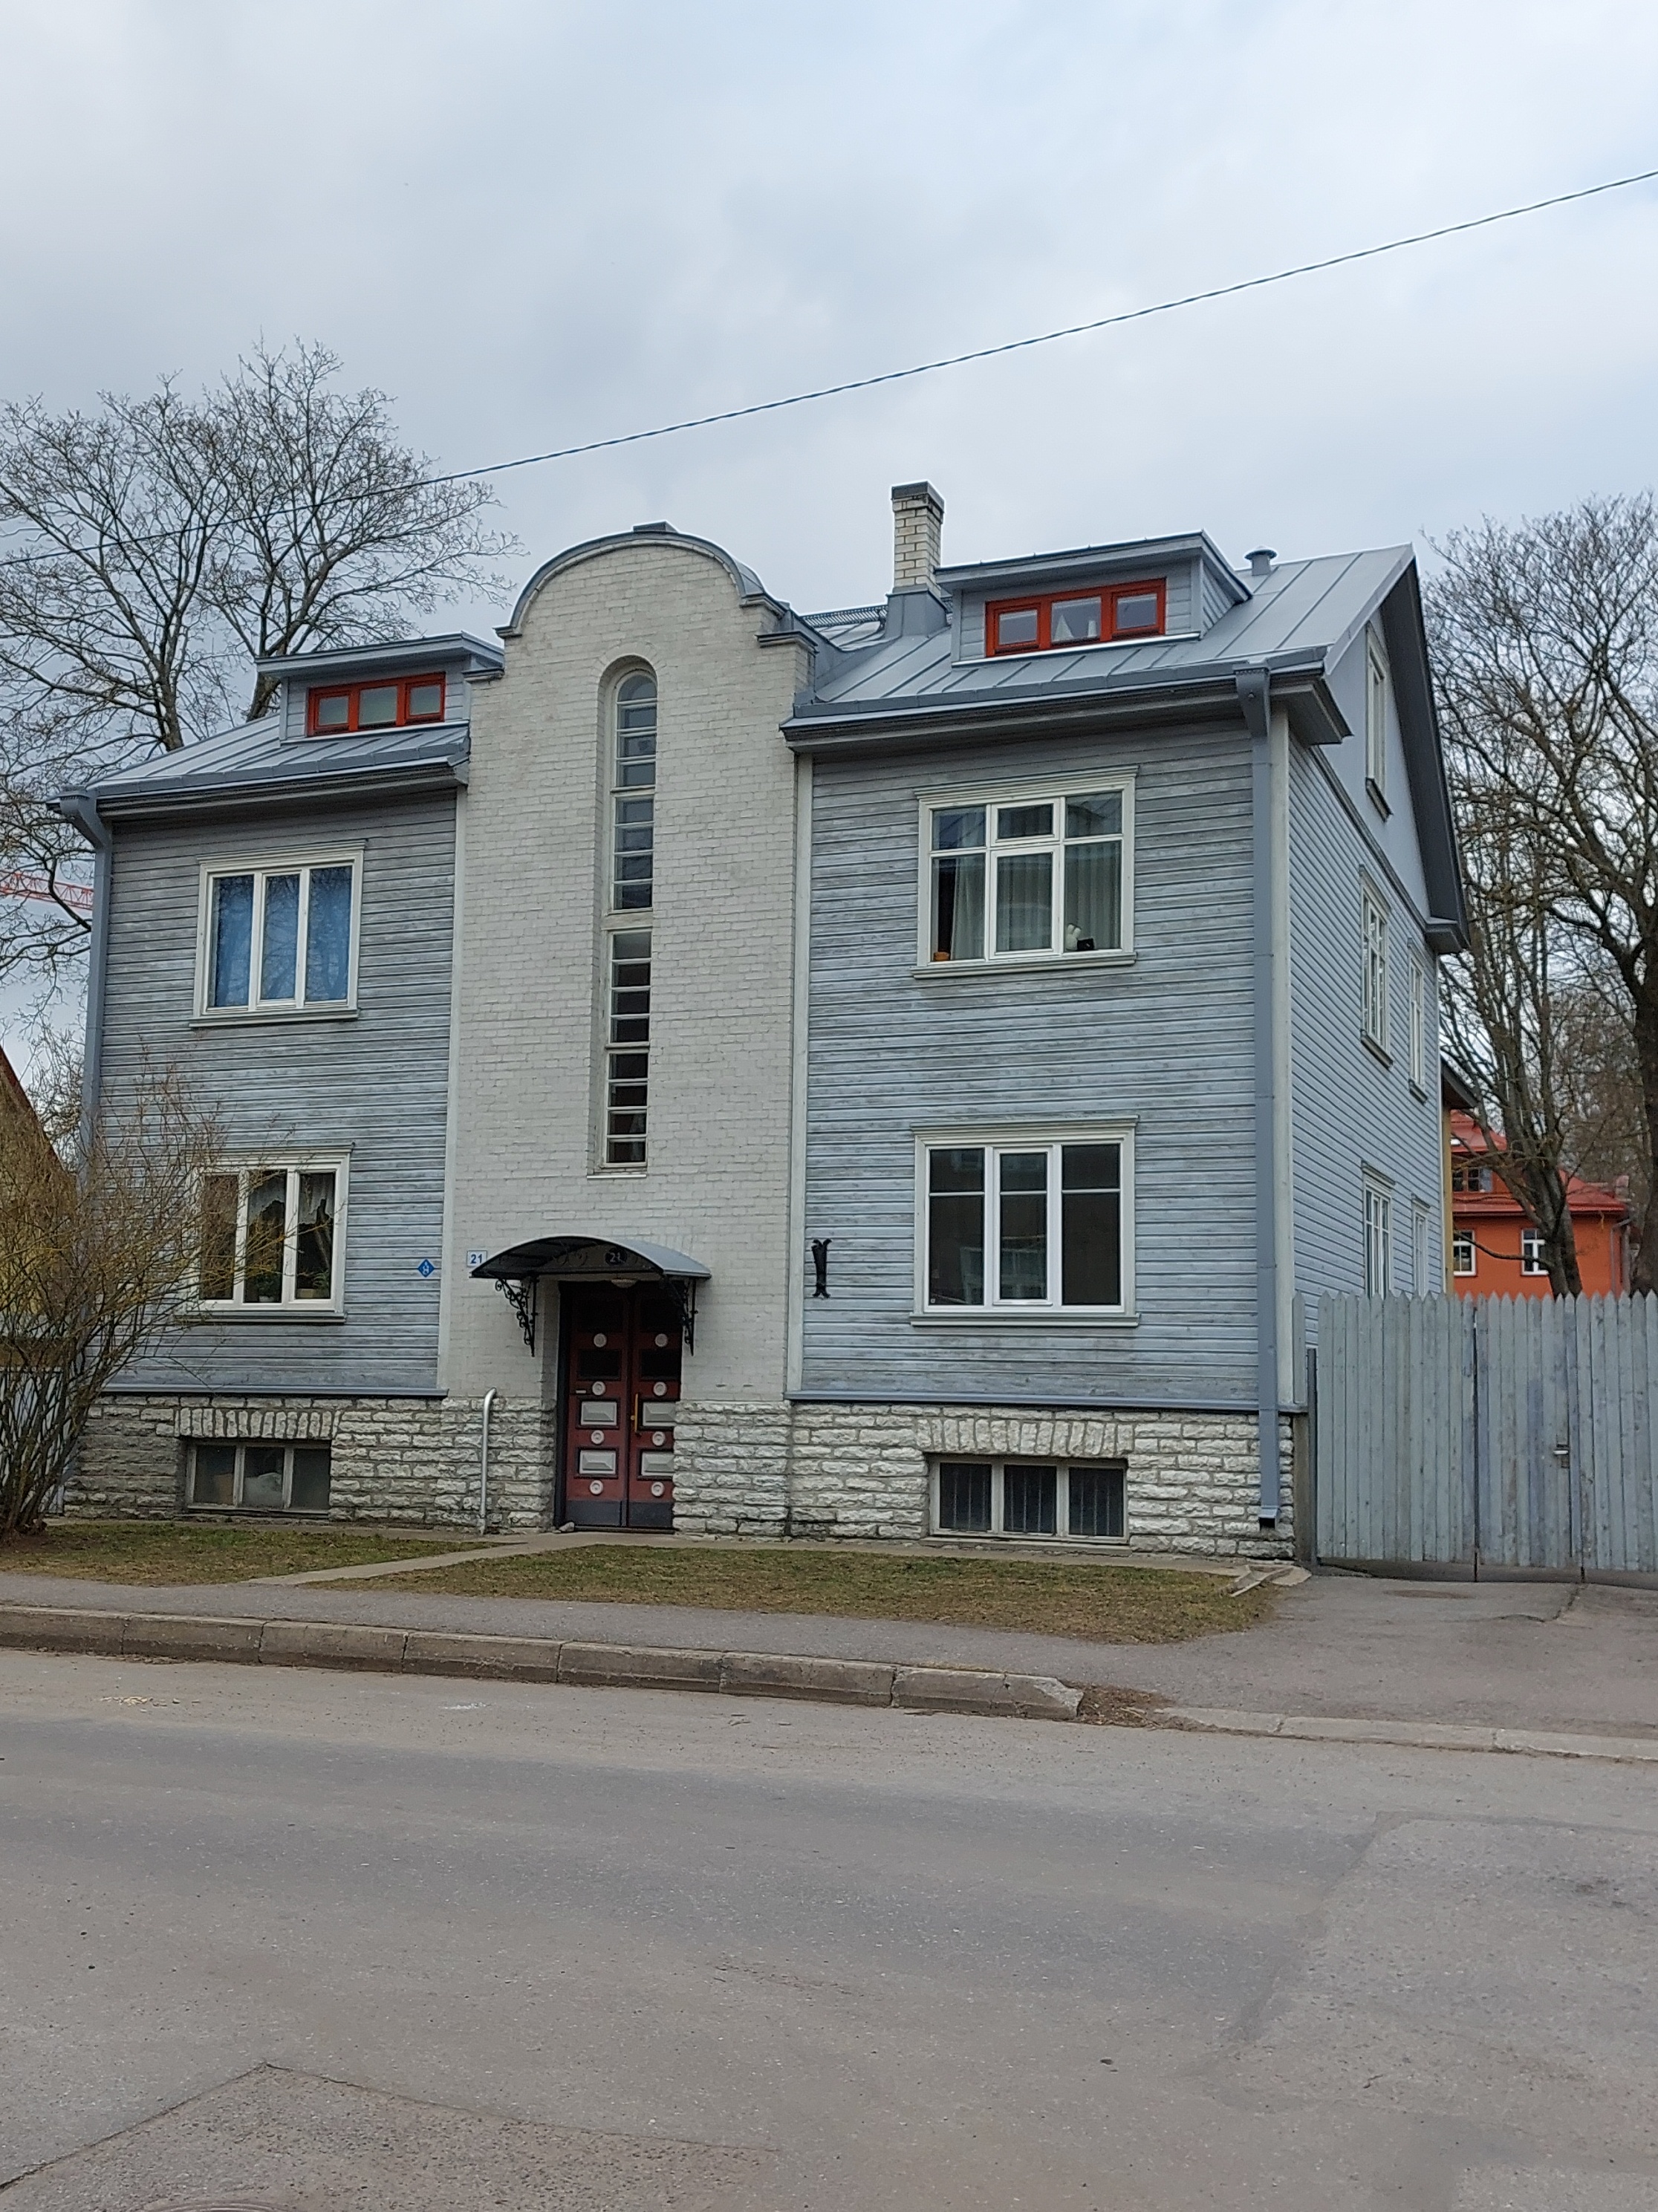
{"points": [[483, 1465], [81, 808], [1254, 697]]}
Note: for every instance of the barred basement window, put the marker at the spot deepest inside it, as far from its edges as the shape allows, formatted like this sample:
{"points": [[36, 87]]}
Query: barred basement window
{"points": [[246, 1478], [1013, 1497], [627, 1054]]}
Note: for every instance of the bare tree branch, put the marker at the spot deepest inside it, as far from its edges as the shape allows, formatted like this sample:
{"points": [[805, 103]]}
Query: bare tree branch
{"points": [[153, 551], [1547, 644]]}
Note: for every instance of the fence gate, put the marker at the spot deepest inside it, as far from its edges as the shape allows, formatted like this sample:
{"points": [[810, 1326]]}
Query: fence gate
{"points": [[1494, 1432]]}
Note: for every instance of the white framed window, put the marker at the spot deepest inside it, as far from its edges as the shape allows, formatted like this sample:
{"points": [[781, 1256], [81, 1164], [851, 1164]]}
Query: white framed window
{"points": [[1076, 1501], [1028, 875], [1531, 1261], [1464, 1254], [627, 1046], [280, 937], [1419, 1025], [633, 794], [1375, 722], [273, 1237], [1032, 1223], [260, 1478], [1375, 972], [1378, 1241], [1420, 1287]]}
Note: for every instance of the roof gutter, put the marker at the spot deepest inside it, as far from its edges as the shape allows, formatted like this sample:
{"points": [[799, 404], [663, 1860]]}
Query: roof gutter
{"points": [[1300, 690], [80, 809], [405, 780]]}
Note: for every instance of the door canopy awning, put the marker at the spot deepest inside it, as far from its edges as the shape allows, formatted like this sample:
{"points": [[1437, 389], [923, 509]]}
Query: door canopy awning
{"points": [[580, 1259]]}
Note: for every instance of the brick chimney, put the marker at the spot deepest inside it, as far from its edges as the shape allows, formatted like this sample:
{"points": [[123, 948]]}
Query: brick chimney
{"points": [[918, 521]]}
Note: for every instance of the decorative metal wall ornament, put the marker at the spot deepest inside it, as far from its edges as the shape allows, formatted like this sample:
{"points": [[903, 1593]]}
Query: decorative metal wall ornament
{"points": [[820, 1265], [521, 1295]]}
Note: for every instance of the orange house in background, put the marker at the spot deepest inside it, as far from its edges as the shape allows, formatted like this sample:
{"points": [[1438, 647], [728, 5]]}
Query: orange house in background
{"points": [[1495, 1251]]}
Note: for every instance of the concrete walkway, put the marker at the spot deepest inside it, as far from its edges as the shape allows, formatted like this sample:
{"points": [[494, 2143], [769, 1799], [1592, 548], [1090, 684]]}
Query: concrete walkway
{"points": [[1539, 1656]]}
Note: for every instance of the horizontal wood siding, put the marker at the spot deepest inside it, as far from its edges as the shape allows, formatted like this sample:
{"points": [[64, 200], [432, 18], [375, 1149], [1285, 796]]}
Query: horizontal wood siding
{"points": [[1351, 1111], [1165, 1042], [1214, 600], [375, 1085]]}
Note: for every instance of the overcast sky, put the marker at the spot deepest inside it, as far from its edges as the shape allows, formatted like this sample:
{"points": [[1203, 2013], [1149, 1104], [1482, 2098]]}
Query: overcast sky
{"points": [[534, 221]]}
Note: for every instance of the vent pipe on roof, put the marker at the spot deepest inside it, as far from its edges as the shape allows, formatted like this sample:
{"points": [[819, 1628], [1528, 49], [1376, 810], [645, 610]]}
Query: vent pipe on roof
{"points": [[1260, 564], [918, 523]]}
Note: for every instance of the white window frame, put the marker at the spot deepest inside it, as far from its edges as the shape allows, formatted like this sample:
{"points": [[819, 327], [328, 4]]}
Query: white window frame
{"points": [[992, 795], [1420, 1234], [639, 922], [1531, 1261], [266, 1010], [1375, 977], [1419, 1024], [621, 793], [1049, 1139], [996, 1533], [246, 1165], [241, 1445], [1377, 1219], [1460, 1238], [1375, 721]]}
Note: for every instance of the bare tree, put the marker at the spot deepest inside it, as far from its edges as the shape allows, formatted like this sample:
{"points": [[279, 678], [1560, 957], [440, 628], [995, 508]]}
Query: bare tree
{"points": [[152, 550], [1500, 1015], [1546, 647], [98, 1255]]}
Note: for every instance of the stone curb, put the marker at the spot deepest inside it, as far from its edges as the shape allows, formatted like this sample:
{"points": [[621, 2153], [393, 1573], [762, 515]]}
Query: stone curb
{"points": [[1417, 1736], [534, 1659]]}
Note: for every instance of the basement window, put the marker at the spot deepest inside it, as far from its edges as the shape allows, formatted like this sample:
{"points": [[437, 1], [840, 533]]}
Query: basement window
{"points": [[1081, 1500], [249, 1478]]}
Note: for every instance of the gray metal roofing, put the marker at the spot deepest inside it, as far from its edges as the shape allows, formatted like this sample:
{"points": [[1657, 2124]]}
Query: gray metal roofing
{"points": [[1300, 615], [257, 756]]}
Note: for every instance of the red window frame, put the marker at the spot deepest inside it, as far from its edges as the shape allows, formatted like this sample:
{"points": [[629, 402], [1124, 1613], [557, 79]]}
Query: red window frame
{"points": [[1041, 605], [353, 692]]}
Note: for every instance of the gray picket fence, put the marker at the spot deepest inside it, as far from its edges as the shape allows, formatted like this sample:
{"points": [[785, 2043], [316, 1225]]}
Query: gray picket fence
{"points": [[1516, 1433]]}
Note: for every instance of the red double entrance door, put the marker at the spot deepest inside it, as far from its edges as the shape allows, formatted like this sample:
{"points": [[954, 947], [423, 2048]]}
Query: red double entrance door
{"points": [[625, 1349]]}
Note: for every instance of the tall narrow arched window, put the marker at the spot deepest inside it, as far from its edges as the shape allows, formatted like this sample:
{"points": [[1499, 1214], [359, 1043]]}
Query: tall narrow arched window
{"points": [[633, 793], [627, 981]]}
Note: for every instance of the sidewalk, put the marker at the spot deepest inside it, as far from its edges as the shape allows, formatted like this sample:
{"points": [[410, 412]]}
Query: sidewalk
{"points": [[1527, 1655]]}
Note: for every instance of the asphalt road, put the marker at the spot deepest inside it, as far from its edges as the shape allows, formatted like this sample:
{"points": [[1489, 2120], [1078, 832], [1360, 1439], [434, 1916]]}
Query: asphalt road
{"points": [[349, 1942]]}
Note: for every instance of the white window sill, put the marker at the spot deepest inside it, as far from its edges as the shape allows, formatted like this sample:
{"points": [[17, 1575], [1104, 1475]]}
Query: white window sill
{"points": [[230, 1018], [1376, 1051], [1002, 1316], [285, 1313], [1025, 964]]}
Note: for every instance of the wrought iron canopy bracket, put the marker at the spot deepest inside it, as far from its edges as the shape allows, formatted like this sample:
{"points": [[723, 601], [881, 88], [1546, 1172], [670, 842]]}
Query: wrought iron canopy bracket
{"points": [[521, 1295], [681, 1289]]}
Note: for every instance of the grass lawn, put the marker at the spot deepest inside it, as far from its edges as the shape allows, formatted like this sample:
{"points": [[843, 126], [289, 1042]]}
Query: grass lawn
{"points": [[1061, 1597], [166, 1551]]}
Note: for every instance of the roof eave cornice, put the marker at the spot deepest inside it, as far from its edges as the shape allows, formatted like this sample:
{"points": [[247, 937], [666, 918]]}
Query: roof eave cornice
{"points": [[1298, 685], [406, 779]]}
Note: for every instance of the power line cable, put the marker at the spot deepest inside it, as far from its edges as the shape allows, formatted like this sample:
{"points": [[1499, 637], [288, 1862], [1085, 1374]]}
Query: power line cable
{"points": [[1045, 337], [976, 353]]}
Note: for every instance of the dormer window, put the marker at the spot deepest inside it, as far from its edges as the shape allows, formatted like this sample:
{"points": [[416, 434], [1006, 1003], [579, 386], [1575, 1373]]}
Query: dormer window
{"points": [[385, 704], [1054, 621]]}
